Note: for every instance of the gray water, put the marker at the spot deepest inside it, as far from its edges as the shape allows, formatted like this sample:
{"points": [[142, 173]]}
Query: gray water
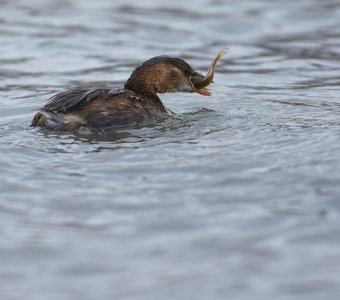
{"points": [[236, 196]]}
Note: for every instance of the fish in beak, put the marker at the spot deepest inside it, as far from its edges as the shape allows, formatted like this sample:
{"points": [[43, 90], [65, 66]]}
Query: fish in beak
{"points": [[200, 82]]}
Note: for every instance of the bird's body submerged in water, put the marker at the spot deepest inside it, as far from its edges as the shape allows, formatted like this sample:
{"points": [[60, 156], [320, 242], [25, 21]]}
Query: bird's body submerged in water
{"points": [[137, 104]]}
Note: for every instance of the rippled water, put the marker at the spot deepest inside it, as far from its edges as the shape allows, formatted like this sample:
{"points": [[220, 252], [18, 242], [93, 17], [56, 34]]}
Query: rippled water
{"points": [[234, 197]]}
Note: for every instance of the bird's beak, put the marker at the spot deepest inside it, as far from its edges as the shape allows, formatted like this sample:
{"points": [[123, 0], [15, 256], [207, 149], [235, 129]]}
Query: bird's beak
{"points": [[202, 91]]}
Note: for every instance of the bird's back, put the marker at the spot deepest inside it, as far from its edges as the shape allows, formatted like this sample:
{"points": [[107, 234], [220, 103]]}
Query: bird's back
{"points": [[98, 109]]}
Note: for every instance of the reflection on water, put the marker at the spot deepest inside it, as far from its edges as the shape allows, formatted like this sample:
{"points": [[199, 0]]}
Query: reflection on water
{"points": [[234, 195]]}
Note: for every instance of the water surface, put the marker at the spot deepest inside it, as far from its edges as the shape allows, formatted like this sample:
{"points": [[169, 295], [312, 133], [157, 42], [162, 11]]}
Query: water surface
{"points": [[235, 196]]}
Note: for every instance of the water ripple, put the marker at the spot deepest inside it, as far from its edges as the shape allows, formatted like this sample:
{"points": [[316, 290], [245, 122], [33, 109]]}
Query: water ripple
{"points": [[234, 194]]}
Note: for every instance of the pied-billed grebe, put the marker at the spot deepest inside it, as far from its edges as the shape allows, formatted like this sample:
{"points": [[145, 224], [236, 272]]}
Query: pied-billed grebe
{"points": [[137, 104]]}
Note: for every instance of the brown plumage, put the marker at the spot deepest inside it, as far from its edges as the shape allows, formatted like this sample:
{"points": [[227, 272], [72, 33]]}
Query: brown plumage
{"points": [[137, 104]]}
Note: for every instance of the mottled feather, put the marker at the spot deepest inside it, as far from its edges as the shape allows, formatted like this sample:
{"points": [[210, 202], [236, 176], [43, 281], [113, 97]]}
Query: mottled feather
{"points": [[69, 100]]}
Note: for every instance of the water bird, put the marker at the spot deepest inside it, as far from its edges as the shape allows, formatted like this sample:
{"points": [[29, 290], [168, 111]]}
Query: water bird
{"points": [[135, 105]]}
